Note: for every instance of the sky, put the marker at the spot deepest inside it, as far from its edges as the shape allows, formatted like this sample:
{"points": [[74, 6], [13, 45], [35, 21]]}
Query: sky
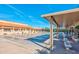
{"points": [[30, 14]]}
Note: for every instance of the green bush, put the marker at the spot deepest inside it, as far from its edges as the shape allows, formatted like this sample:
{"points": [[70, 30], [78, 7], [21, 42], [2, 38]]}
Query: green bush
{"points": [[77, 27], [55, 30], [60, 30], [47, 29]]}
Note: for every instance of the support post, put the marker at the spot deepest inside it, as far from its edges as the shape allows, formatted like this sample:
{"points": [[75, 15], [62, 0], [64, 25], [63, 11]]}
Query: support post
{"points": [[51, 37]]}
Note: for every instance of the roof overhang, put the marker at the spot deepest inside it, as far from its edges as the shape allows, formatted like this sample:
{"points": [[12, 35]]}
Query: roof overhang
{"points": [[68, 17]]}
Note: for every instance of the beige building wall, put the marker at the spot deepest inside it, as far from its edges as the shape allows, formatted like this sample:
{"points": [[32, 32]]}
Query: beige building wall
{"points": [[11, 28]]}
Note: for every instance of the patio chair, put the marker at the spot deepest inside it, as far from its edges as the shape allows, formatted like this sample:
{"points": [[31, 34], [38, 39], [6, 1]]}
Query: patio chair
{"points": [[67, 44]]}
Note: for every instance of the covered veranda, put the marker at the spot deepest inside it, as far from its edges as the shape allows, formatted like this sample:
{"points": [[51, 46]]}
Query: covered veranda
{"points": [[67, 19]]}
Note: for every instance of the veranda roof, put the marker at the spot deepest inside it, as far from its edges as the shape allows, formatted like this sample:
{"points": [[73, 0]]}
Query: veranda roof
{"points": [[67, 17]]}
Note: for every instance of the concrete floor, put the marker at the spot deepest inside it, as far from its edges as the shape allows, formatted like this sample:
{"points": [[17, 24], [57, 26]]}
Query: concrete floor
{"points": [[7, 46]]}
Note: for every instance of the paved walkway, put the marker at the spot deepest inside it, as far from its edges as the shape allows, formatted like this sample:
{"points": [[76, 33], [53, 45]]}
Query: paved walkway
{"points": [[15, 46], [11, 47]]}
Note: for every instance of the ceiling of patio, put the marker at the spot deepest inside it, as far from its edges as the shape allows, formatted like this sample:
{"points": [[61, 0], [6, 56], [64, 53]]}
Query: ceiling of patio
{"points": [[69, 19]]}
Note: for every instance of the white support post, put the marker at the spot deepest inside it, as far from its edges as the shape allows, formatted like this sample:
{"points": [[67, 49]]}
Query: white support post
{"points": [[51, 37]]}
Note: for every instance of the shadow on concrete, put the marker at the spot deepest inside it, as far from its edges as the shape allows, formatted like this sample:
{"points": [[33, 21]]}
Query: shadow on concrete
{"points": [[75, 46]]}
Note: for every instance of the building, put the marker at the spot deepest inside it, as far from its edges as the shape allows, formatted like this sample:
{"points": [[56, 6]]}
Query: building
{"points": [[67, 18], [7, 28]]}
